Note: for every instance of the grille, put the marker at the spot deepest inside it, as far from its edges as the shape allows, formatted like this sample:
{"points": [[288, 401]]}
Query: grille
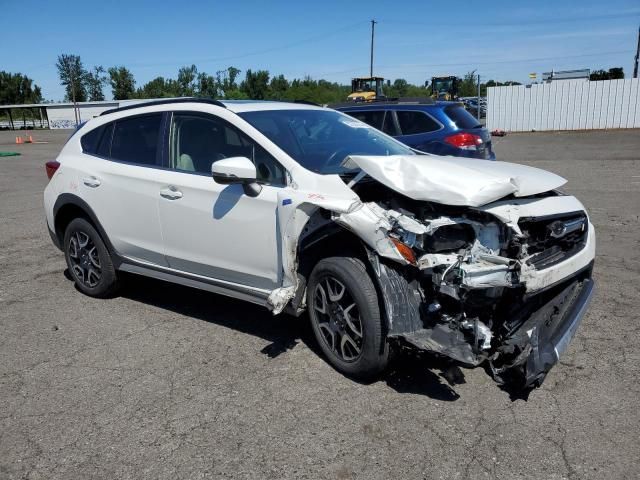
{"points": [[555, 238]]}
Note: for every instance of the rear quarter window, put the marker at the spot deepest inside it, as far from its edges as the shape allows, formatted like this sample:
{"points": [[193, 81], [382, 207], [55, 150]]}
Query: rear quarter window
{"points": [[89, 140], [461, 118], [98, 140]]}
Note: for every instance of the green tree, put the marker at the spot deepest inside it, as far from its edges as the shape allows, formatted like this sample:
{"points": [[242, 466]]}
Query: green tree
{"points": [[159, 87], [612, 74], [616, 73], [187, 81], [468, 85], [122, 83], [72, 76], [94, 80], [399, 88], [227, 85], [207, 86], [256, 85], [18, 88], [278, 87]]}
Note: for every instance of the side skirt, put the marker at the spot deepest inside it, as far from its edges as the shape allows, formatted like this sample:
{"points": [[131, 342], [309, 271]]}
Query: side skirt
{"points": [[241, 292]]}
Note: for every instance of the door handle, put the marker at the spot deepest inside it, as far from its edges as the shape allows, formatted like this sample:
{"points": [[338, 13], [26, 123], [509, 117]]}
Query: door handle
{"points": [[171, 193], [92, 182]]}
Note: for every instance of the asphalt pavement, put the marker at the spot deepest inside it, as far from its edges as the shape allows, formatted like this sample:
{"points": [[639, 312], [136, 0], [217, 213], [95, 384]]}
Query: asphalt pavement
{"points": [[167, 382]]}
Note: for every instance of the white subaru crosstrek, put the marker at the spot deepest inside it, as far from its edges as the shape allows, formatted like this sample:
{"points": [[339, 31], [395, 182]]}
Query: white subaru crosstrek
{"points": [[298, 207]]}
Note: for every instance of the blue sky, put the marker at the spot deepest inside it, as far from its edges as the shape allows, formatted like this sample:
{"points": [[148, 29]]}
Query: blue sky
{"points": [[503, 40]]}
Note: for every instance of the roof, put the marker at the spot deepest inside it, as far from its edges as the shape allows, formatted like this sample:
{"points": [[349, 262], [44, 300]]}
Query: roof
{"points": [[236, 106], [239, 106]]}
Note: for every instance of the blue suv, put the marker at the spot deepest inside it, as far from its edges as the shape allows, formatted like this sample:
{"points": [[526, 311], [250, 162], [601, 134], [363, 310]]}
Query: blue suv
{"points": [[441, 128]]}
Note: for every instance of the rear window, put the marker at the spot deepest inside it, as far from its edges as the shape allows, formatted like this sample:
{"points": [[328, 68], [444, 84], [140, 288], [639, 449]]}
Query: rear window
{"points": [[461, 118], [135, 139], [414, 122]]}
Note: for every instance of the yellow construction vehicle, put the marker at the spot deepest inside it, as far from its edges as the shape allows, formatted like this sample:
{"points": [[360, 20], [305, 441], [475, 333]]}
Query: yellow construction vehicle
{"points": [[366, 89], [444, 88]]}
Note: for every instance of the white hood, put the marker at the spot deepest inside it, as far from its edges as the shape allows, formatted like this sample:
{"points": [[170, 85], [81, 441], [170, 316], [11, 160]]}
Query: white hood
{"points": [[455, 180]]}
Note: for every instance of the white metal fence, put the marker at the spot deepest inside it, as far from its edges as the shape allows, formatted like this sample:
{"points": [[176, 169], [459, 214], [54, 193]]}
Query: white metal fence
{"points": [[565, 105]]}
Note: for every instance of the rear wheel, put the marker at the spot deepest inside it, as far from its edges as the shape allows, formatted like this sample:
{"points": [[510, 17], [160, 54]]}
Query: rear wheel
{"points": [[88, 259], [345, 316]]}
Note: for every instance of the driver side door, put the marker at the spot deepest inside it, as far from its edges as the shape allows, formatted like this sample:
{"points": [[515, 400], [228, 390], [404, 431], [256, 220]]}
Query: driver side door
{"points": [[213, 230]]}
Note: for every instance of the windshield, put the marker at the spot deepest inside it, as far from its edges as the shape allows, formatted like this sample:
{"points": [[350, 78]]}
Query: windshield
{"points": [[442, 85], [320, 140]]}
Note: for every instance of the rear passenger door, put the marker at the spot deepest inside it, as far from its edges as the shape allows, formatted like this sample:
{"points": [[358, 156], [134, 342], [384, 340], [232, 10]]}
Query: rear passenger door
{"points": [[118, 181], [418, 129]]}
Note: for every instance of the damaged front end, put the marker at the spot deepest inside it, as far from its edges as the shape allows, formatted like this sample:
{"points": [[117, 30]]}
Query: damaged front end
{"points": [[508, 293], [480, 262]]}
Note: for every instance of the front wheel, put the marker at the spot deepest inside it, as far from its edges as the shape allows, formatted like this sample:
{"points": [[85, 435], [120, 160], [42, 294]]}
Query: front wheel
{"points": [[345, 316]]}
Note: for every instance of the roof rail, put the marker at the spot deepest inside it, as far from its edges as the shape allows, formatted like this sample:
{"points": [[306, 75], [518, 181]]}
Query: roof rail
{"points": [[387, 101], [153, 103]]}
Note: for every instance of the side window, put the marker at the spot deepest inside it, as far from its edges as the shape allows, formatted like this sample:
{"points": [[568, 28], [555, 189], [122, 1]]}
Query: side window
{"points": [[89, 141], [412, 122], [198, 141], [98, 140], [103, 148], [135, 139], [370, 117]]}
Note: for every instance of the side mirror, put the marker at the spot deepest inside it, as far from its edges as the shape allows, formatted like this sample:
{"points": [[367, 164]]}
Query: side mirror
{"points": [[240, 170]]}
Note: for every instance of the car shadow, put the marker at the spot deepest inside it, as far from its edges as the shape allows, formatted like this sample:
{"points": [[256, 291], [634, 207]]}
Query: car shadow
{"points": [[226, 200], [407, 374], [423, 374]]}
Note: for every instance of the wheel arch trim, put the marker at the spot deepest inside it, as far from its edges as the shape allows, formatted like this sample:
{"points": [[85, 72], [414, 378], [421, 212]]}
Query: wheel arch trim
{"points": [[69, 199]]}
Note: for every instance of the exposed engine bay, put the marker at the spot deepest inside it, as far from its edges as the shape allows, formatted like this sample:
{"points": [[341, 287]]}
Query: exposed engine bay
{"points": [[463, 291]]}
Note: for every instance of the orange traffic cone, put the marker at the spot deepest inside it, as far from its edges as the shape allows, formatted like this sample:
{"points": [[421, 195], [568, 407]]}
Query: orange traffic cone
{"points": [[19, 140], [29, 139]]}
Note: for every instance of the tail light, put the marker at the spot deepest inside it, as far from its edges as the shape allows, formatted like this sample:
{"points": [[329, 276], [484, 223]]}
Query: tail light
{"points": [[466, 141], [51, 168]]}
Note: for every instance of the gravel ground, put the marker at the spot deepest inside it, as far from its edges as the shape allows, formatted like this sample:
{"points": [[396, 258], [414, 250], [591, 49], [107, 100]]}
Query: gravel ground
{"points": [[167, 382]]}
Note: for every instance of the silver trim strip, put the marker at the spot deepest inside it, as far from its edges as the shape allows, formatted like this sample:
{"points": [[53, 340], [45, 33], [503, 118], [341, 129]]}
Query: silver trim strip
{"points": [[241, 292], [585, 298]]}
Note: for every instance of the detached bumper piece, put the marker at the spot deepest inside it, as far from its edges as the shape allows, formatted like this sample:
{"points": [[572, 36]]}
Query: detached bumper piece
{"points": [[528, 336], [524, 357]]}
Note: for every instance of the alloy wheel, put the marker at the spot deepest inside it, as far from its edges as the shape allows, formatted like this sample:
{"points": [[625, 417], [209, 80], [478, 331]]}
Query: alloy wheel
{"points": [[85, 261], [338, 318]]}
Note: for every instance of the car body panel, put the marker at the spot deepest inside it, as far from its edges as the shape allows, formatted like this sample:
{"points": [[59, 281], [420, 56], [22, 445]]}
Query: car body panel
{"points": [[456, 181], [231, 236]]}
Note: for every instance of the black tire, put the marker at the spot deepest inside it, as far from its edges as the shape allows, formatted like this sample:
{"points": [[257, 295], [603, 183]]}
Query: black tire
{"points": [[330, 322], [90, 264]]}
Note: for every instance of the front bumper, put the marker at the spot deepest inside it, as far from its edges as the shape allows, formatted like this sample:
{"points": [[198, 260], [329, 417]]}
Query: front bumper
{"points": [[524, 357]]}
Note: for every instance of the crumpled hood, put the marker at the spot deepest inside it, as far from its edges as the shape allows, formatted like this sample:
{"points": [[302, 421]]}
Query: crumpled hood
{"points": [[455, 180]]}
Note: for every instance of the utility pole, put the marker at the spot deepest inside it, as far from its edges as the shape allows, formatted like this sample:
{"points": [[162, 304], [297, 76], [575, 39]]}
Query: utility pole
{"points": [[635, 68], [478, 111], [373, 29]]}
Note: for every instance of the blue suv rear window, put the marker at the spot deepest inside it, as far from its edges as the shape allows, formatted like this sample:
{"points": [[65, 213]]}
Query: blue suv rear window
{"points": [[461, 118]]}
